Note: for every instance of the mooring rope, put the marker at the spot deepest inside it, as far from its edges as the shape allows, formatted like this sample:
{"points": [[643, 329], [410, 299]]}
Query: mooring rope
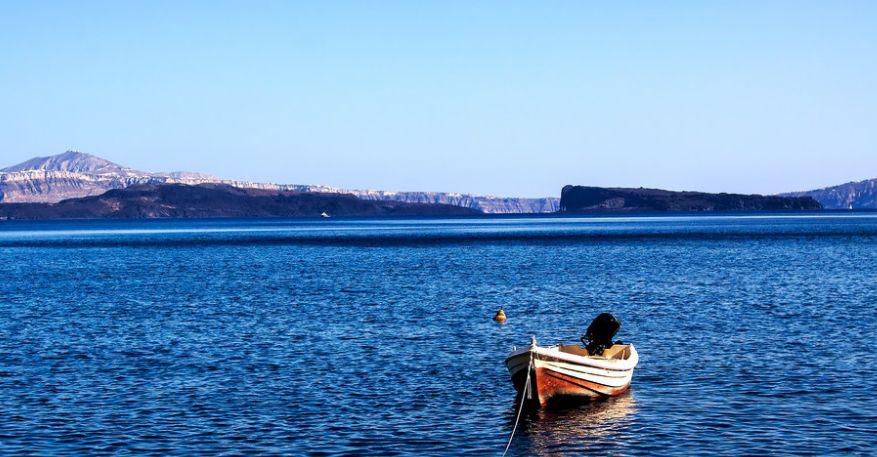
{"points": [[524, 393]]}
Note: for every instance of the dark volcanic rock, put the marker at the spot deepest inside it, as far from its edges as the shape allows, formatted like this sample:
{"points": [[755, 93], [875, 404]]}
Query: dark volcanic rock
{"points": [[575, 199], [218, 200]]}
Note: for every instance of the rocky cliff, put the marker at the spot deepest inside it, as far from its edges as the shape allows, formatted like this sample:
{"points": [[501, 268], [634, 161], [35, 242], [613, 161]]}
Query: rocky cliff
{"points": [[75, 174], [486, 204], [575, 199], [218, 200], [852, 195]]}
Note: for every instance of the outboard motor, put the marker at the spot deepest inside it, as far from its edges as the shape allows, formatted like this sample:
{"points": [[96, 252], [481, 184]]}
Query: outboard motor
{"points": [[599, 335]]}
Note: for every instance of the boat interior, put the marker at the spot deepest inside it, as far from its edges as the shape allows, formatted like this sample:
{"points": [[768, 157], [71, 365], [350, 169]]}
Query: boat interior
{"points": [[617, 351]]}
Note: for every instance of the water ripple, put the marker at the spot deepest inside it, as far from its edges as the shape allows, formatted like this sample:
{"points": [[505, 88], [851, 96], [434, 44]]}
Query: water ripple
{"points": [[755, 335]]}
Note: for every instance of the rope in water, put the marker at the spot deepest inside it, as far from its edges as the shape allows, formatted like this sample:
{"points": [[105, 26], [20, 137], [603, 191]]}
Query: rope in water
{"points": [[524, 393]]}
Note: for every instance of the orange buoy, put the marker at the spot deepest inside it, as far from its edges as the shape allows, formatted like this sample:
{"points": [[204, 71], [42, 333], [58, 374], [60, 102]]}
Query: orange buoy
{"points": [[500, 316]]}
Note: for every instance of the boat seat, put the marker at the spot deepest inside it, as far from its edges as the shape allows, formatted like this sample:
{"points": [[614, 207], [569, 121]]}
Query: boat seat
{"points": [[574, 349], [617, 351]]}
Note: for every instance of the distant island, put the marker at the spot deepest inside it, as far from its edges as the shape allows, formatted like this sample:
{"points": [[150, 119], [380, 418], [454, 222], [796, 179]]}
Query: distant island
{"points": [[219, 200], [79, 185], [75, 174], [579, 199]]}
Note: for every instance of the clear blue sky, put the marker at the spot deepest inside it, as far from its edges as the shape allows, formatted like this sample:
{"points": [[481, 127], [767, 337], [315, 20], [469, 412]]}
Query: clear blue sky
{"points": [[506, 98]]}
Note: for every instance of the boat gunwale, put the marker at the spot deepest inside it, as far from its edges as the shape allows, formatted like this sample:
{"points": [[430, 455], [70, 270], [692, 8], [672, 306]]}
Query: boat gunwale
{"points": [[550, 352], [546, 362]]}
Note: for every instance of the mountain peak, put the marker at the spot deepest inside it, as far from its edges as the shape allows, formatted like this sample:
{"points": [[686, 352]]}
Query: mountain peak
{"points": [[72, 161]]}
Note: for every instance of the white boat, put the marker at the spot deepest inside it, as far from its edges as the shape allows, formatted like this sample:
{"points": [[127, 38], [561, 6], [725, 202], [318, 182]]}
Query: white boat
{"points": [[324, 215], [568, 372]]}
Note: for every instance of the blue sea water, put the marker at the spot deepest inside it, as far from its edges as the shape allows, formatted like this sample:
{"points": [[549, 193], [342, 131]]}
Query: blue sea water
{"points": [[374, 337]]}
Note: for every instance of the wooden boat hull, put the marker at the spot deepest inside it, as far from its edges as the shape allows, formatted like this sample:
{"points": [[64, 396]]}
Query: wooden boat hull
{"points": [[557, 376]]}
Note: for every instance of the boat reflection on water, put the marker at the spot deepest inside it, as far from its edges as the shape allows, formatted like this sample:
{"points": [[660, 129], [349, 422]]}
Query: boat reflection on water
{"points": [[603, 425]]}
